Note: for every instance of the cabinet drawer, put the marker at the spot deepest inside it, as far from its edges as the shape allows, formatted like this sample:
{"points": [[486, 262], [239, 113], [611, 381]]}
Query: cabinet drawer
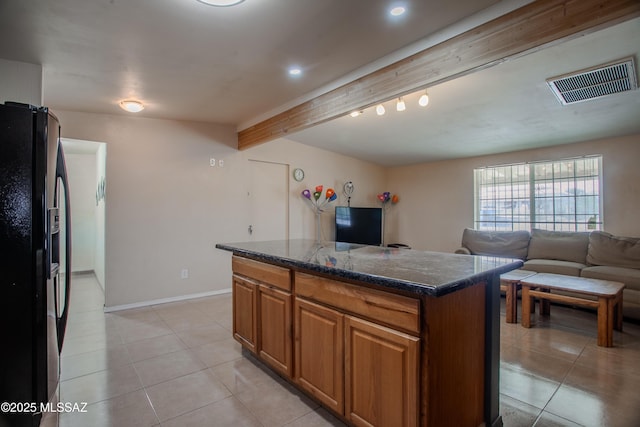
{"points": [[279, 277], [382, 307]]}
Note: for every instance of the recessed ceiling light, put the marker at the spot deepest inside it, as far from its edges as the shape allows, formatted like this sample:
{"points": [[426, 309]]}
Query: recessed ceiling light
{"points": [[295, 71], [397, 11], [221, 3], [131, 106]]}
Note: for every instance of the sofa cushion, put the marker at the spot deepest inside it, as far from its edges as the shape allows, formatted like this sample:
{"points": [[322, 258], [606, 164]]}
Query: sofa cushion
{"points": [[610, 250], [629, 276], [559, 245], [510, 244], [567, 268]]}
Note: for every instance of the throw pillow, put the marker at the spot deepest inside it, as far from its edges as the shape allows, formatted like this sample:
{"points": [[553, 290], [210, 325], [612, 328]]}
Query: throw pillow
{"points": [[559, 245], [616, 251]]}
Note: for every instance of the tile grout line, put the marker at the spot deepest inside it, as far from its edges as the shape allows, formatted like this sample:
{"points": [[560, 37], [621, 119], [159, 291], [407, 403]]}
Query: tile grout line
{"points": [[573, 364]]}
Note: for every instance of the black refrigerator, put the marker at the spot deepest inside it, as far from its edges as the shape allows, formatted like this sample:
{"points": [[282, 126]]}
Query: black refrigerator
{"points": [[35, 236]]}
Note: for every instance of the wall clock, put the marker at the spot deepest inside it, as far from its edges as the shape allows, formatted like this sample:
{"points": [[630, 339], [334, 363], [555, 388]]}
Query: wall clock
{"points": [[298, 174]]}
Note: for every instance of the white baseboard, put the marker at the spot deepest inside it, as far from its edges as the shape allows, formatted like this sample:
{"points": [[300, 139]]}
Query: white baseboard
{"points": [[165, 300], [82, 273]]}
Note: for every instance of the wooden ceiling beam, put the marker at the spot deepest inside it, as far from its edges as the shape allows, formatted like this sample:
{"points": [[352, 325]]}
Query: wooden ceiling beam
{"points": [[531, 27]]}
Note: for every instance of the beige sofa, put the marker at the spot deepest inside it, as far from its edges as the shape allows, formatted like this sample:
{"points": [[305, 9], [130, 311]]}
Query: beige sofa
{"points": [[596, 254]]}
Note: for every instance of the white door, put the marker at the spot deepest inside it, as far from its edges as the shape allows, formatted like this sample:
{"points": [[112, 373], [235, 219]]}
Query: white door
{"points": [[269, 201]]}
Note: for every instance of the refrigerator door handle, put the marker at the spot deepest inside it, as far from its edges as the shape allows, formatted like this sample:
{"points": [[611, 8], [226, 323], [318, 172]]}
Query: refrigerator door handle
{"points": [[61, 176], [53, 259]]}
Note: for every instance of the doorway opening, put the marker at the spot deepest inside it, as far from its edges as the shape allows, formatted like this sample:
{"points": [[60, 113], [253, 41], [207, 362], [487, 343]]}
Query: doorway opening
{"points": [[269, 201], [86, 172]]}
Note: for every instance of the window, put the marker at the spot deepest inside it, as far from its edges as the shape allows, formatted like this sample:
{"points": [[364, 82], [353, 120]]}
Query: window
{"points": [[556, 195]]}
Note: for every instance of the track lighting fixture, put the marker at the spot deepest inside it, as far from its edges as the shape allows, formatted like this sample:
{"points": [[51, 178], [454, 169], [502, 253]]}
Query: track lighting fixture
{"points": [[380, 109], [424, 99]]}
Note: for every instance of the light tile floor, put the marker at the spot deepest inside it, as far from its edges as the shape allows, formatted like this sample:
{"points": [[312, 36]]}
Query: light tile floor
{"points": [[176, 365]]}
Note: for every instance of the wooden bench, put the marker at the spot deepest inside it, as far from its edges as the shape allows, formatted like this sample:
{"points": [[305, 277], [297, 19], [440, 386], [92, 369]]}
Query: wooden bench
{"points": [[608, 303], [510, 285]]}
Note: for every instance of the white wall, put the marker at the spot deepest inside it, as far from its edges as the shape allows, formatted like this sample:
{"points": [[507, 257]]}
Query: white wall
{"points": [[166, 207], [437, 198], [321, 168], [81, 172], [20, 82]]}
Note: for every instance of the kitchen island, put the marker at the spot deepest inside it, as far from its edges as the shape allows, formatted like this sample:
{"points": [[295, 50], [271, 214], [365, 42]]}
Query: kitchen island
{"points": [[379, 336]]}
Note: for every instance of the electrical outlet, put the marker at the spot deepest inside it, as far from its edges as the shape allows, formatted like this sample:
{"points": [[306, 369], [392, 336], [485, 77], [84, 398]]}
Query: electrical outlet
{"points": [[221, 163], [184, 274], [212, 162]]}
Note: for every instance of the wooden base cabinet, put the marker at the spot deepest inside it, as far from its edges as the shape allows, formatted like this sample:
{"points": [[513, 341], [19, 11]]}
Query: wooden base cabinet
{"points": [[373, 357], [366, 372], [262, 312], [362, 370], [319, 353], [245, 309], [381, 375], [274, 329]]}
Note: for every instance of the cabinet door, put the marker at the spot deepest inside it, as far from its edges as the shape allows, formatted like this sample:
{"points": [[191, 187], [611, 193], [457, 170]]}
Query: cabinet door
{"points": [[381, 375], [319, 353], [245, 305], [275, 329]]}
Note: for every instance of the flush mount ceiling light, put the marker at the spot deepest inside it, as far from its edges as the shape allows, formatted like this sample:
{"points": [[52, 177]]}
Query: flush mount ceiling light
{"points": [[221, 3], [397, 11], [380, 110], [424, 99], [400, 105], [355, 113], [295, 71], [131, 106]]}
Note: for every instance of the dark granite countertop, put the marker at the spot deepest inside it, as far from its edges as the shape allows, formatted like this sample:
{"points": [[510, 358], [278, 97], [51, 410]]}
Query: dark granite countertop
{"points": [[407, 270]]}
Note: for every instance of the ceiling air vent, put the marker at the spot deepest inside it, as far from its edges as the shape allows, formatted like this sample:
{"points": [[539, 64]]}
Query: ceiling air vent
{"points": [[592, 83]]}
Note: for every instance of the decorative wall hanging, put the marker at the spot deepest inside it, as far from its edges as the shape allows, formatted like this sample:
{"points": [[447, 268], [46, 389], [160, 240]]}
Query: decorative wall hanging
{"points": [[348, 191], [100, 191]]}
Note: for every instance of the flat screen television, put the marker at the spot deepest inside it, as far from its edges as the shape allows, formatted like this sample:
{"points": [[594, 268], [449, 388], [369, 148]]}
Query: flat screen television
{"points": [[359, 225]]}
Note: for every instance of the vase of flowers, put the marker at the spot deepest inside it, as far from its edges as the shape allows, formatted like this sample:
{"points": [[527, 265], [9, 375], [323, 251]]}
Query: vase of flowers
{"points": [[319, 204]]}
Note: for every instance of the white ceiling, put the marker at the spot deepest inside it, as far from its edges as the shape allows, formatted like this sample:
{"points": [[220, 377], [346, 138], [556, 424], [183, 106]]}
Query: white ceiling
{"points": [[186, 60], [508, 107], [189, 61]]}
